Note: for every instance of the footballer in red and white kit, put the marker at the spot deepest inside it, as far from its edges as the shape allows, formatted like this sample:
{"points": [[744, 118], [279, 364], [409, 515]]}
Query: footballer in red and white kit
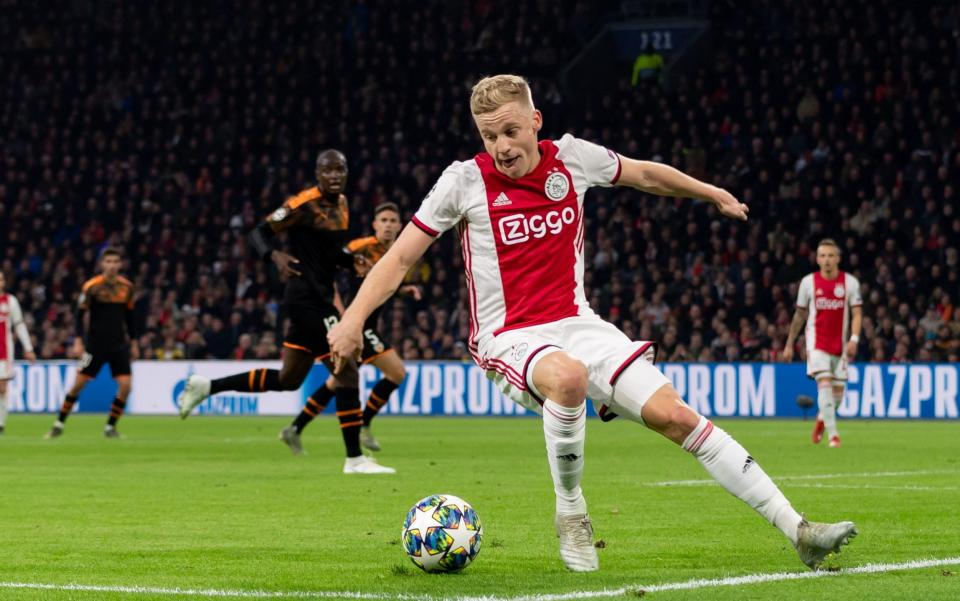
{"points": [[830, 302], [521, 304], [11, 321], [518, 209]]}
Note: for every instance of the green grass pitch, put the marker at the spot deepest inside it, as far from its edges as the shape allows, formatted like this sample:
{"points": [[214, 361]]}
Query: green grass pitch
{"points": [[220, 503]]}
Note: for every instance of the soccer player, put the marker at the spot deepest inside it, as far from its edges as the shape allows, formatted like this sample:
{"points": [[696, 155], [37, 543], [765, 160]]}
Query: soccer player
{"points": [[105, 335], [829, 297], [315, 221], [376, 349], [518, 208], [11, 320]]}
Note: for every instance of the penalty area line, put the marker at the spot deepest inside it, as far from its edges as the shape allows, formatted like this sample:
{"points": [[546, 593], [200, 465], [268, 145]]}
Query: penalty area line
{"points": [[699, 583]]}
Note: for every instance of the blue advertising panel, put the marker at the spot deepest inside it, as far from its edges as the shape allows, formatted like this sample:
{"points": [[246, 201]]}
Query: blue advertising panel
{"points": [[875, 390]]}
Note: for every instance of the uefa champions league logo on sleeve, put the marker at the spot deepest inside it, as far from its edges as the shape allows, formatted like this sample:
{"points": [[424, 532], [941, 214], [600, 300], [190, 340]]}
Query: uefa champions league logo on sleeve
{"points": [[556, 186]]}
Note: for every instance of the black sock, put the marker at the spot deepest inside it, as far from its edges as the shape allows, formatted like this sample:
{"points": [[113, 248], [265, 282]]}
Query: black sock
{"points": [[66, 407], [378, 398], [316, 403], [350, 416], [116, 410], [255, 380]]}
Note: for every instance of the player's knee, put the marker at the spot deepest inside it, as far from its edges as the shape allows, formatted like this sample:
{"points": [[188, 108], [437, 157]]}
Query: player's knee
{"points": [[289, 381], [396, 375], [565, 381], [682, 420]]}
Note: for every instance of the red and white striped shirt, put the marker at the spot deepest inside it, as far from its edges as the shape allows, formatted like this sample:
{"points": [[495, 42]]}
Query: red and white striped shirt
{"points": [[11, 319], [829, 302], [522, 240]]}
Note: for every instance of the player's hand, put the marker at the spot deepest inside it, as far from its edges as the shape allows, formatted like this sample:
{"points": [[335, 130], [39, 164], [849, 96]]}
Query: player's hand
{"points": [[346, 342], [284, 262], [728, 205], [851, 350], [78, 347], [411, 290], [787, 353], [30, 356], [362, 265]]}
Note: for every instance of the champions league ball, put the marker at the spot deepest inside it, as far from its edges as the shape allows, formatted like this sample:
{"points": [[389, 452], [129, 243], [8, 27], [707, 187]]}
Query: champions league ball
{"points": [[442, 533]]}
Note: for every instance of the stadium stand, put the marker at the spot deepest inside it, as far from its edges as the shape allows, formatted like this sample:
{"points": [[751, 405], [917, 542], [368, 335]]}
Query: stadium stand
{"points": [[169, 129]]}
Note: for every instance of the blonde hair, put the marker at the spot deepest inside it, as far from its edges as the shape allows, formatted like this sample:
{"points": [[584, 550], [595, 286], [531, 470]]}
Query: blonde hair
{"points": [[490, 93], [829, 242]]}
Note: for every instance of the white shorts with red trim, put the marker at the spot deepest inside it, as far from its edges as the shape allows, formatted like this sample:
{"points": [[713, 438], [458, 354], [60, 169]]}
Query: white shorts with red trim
{"points": [[510, 357], [821, 362]]}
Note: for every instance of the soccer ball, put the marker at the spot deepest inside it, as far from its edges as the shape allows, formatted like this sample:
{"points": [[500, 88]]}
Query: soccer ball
{"points": [[442, 533]]}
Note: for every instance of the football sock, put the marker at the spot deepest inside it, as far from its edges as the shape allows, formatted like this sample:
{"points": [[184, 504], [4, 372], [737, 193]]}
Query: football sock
{"points": [[351, 418], [255, 380], [3, 409], [116, 410], [828, 409], [66, 408], [378, 398], [564, 429], [314, 406], [734, 469]]}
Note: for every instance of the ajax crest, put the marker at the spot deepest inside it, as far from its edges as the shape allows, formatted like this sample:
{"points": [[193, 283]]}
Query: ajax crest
{"points": [[838, 291], [556, 186]]}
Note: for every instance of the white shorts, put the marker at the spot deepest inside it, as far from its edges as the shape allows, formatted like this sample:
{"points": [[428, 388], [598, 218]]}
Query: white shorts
{"points": [[510, 357], [819, 362]]}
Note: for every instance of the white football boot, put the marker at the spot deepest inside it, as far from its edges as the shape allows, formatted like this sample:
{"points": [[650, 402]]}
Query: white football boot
{"points": [[576, 543], [816, 540], [194, 393], [365, 465]]}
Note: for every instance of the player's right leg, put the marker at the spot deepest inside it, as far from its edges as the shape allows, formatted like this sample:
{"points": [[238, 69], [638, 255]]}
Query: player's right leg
{"points": [[394, 373], [88, 367], [296, 364], [561, 380], [316, 403], [3, 401], [725, 459]]}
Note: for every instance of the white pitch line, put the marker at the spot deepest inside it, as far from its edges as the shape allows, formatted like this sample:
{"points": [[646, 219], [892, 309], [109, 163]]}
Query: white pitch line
{"points": [[698, 583], [877, 487], [704, 481], [195, 592]]}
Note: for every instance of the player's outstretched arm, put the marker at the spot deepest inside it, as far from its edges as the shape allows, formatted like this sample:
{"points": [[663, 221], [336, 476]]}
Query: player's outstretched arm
{"points": [[346, 338], [799, 318], [664, 180]]}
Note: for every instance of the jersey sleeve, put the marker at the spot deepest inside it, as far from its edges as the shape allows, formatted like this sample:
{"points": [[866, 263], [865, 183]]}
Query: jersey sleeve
{"points": [[442, 207], [804, 293], [854, 299], [19, 326], [292, 212], [601, 166]]}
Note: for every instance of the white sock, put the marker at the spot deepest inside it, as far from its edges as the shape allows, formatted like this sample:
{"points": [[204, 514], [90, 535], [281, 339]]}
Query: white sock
{"points": [[828, 410], [3, 408], [564, 429], [735, 470]]}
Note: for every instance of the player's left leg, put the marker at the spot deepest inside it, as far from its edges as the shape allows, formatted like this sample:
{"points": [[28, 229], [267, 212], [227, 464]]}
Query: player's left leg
{"points": [[391, 366], [724, 458], [828, 408], [118, 405], [839, 387], [3, 405], [120, 368], [350, 417]]}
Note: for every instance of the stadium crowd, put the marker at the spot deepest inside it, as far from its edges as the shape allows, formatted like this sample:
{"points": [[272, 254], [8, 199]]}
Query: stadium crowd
{"points": [[170, 129]]}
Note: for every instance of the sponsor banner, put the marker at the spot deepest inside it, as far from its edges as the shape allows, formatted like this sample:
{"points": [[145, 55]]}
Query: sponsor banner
{"points": [[875, 390], [156, 385]]}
